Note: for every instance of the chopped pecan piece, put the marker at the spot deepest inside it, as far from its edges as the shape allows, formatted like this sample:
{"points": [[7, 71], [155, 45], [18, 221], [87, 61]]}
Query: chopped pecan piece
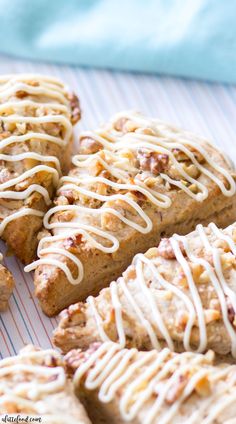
{"points": [[197, 270], [71, 243], [198, 156], [65, 216], [4, 134], [204, 278], [211, 315], [182, 157], [181, 280], [75, 357], [140, 196], [147, 131], [152, 162], [69, 195], [166, 251], [21, 94], [111, 222], [179, 155], [181, 320], [193, 188], [203, 387], [192, 171], [222, 244], [75, 108], [51, 361], [120, 124], [231, 312], [50, 127], [77, 238], [10, 406], [228, 261], [176, 390], [88, 146], [5, 175], [61, 200], [33, 83], [131, 273]]}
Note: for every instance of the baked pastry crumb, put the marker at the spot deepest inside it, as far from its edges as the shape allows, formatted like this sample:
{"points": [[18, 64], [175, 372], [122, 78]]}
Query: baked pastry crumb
{"points": [[120, 385], [6, 285], [180, 294], [135, 179], [34, 384], [36, 130]]}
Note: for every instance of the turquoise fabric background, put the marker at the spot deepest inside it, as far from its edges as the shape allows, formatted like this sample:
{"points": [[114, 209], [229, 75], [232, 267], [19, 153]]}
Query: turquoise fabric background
{"points": [[192, 38]]}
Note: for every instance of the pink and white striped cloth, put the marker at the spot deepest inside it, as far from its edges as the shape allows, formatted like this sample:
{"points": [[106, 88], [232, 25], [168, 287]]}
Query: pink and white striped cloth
{"points": [[207, 109]]}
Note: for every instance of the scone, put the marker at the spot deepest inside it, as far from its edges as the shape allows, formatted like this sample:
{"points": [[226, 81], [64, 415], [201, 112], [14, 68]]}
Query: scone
{"points": [[135, 180], [6, 285], [120, 385], [37, 116], [34, 384], [181, 294]]}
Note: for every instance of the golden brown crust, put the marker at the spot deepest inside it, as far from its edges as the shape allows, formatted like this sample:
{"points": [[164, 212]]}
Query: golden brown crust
{"points": [[50, 281], [6, 286]]}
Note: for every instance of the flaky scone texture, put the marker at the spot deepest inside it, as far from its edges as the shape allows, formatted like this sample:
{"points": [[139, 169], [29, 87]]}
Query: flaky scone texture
{"points": [[6, 285], [37, 114], [136, 179], [34, 383], [181, 294], [120, 385]]}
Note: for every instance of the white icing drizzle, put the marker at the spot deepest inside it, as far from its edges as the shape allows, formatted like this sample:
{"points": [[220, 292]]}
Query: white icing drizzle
{"points": [[157, 328], [54, 107], [44, 380], [121, 169], [131, 378]]}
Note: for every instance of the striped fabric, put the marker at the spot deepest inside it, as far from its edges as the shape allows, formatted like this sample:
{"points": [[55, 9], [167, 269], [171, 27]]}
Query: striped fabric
{"points": [[208, 109]]}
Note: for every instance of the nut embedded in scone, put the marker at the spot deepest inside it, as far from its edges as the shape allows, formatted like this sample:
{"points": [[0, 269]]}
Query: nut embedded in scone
{"points": [[153, 387], [129, 188], [153, 162], [34, 383], [36, 131], [180, 296]]}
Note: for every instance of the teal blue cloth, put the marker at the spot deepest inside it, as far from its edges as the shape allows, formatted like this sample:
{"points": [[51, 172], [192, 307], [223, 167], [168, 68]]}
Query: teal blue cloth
{"points": [[190, 38]]}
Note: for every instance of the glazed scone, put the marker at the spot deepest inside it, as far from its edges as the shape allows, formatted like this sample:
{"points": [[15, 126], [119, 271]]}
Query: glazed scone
{"points": [[34, 383], [6, 285], [119, 385], [181, 294], [37, 116], [135, 180]]}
